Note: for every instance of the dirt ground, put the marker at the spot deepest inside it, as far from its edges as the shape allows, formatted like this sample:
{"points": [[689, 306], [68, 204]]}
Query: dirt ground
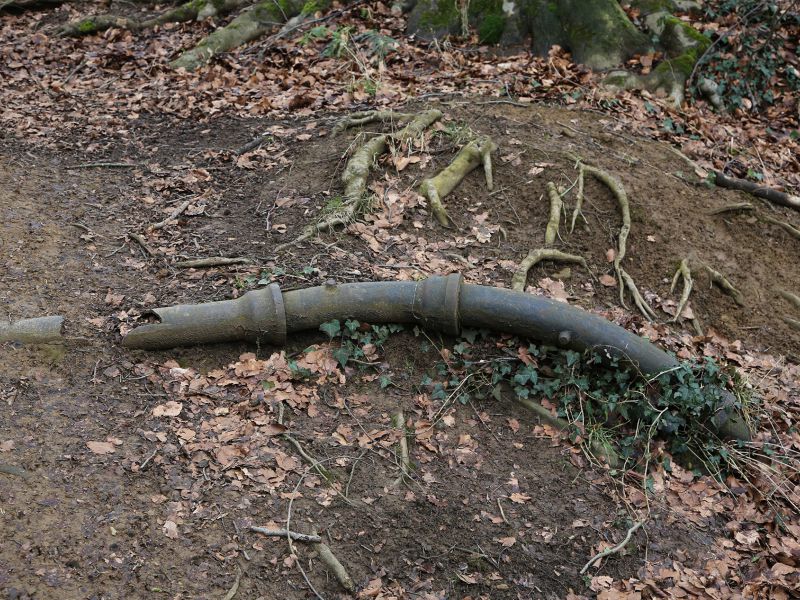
{"points": [[163, 512]]}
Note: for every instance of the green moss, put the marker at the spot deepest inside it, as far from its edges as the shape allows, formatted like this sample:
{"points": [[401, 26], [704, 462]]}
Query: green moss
{"points": [[441, 16], [491, 29], [87, 26]]}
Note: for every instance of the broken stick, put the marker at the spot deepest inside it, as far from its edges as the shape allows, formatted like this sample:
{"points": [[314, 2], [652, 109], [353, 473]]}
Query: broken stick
{"points": [[477, 152]]}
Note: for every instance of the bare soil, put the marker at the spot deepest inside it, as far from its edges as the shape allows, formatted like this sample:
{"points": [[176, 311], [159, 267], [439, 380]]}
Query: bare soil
{"points": [[87, 525]]}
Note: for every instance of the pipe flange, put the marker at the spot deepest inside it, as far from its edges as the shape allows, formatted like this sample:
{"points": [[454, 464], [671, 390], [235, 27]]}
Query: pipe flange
{"points": [[436, 303], [267, 322]]}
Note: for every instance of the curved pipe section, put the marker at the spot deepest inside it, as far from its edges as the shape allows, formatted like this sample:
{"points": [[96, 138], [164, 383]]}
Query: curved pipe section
{"points": [[444, 304]]}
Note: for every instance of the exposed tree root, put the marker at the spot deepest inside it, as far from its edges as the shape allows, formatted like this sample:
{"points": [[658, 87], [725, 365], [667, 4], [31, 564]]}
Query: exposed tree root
{"points": [[356, 173], [404, 459], [774, 196], [367, 117], [536, 256], [791, 298], [793, 323], [726, 286], [578, 199], [330, 561], [638, 300], [732, 208], [189, 11], [285, 533], [26, 4], [788, 228], [686, 273], [252, 23], [214, 261], [477, 152], [551, 231], [625, 280]]}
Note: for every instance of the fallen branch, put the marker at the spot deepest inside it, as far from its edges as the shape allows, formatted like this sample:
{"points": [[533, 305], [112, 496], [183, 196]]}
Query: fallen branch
{"points": [[760, 191], [173, 215], [614, 550], [251, 145], [685, 272], [285, 533], [330, 561], [535, 257], [477, 152], [726, 286], [214, 261], [356, 173]]}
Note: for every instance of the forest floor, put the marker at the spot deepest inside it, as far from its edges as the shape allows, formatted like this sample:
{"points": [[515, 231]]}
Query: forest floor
{"points": [[138, 474]]}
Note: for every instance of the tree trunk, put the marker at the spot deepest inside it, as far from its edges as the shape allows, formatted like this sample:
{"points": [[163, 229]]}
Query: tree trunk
{"points": [[598, 33]]}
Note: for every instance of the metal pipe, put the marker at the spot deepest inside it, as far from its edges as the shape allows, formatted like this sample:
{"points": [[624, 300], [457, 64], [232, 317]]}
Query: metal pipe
{"points": [[444, 304]]}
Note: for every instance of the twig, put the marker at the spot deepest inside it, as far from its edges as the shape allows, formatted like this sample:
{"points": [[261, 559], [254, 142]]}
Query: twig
{"points": [[284, 533], [143, 244], [147, 460], [235, 587], [214, 261], [325, 473], [105, 165], [614, 550], [173, 215], [502, 512], [251, 145]]}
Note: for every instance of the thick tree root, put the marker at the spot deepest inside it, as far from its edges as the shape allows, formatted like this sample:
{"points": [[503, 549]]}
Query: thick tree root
{"points": [[476, 152], [733, 208], [190, 11], [536, 256], [252, 23], [356, 173], [367, 117], [726, 286], [793, 323], [551, 231], [686, 273], [791, 298], [774, 196]]}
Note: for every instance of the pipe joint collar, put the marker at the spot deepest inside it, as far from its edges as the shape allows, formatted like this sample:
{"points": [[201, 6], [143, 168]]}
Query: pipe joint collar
{"points": [[436, 303]]}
